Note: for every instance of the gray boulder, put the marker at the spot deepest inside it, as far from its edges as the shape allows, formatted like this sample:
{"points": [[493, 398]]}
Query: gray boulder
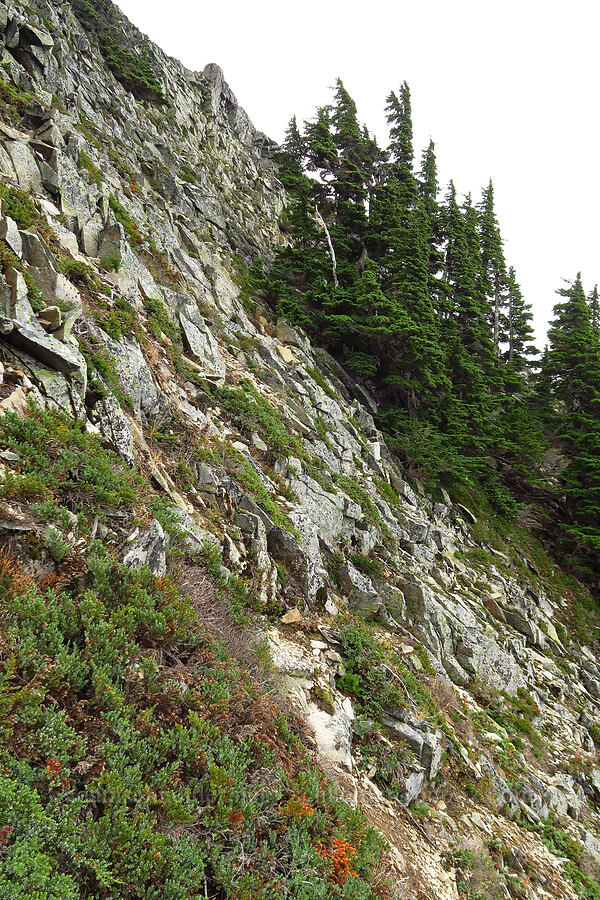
{"points": [[425, 745], [135, 376], [362, 596], [592, 685], [148, 548], [200, 341], [411, 787], [114, 426], [476, 652], [9, 233], [27, 334], [284, 548]]}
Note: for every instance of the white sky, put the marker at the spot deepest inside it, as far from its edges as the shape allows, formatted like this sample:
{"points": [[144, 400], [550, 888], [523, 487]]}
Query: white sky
{"points": [[506, 89]]}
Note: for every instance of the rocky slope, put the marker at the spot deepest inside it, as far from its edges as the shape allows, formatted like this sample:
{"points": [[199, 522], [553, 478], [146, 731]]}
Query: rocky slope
{"points": [[444, 672]]}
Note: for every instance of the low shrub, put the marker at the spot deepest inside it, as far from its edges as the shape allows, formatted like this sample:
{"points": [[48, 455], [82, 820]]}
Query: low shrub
{"points": [[137, 759]]}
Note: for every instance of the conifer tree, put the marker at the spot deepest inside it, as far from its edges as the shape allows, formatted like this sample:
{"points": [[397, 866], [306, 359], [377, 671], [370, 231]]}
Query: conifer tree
{"points": [[428, 180], [399, 116], [595, 310], [462, 269], [467, 334], [321, 151], [300, 187], [351, 177], [305, 262], [517, 326], [427, 185], [493, 266], [572, 369], [416, 306], [400, 149]]}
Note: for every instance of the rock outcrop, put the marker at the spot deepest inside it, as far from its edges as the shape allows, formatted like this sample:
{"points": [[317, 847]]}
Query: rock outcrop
{"points": [[127, 230]]}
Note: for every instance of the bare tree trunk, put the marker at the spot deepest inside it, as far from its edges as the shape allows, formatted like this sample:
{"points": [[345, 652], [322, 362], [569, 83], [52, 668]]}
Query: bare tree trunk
{"points": [[362, 260], [321, 222]]}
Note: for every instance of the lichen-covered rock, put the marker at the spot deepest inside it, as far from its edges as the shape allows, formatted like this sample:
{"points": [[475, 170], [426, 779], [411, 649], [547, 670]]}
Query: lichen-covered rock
{"points": [[284, 547], [148, 548], [362, 597], [135, 376], [333, 731], [412, 787], [9, 233], [200, 341]]}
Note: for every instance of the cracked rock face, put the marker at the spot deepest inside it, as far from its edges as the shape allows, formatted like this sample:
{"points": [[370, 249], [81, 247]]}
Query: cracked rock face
{"points": [[146, 220], [148, 548]]}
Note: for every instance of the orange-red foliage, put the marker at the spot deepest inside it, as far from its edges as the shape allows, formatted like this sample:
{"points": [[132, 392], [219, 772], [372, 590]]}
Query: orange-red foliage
{"points": [[341, 854]]}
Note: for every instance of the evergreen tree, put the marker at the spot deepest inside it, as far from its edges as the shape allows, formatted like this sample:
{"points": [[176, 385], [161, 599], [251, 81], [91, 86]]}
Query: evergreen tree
{"points": [[400, 149], [417, 305], [572, 369], [595, 310], [427, 185], [467, 336], [352, 177], [428, 181], [300, 187], [399, 116], [301, 271], [518, 327], [493, 266], [321, 151], [462, 270]]}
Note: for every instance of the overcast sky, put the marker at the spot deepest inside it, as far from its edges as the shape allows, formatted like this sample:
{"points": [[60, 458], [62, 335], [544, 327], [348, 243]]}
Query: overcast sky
{"points": [[507, 89]]}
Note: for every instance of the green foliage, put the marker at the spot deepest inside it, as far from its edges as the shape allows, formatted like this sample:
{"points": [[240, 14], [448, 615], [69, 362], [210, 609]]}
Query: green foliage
{"points": [[571, 371], [321, 381], [250, 410], [87, 129], [356, 492], [85, 162], [80, 273], [389, 765], [159, 322], [111, 261], [365, 678], [59, 460], [132, 67], [98, 360], [36, 298], [18, 205], [567, 848], [386, 491], [118, 320], [516, 715], [368, 565], [124, 768], [56, 544], [476, 875], [248, 477], [13, 102], [130, 228], [334, 565]]}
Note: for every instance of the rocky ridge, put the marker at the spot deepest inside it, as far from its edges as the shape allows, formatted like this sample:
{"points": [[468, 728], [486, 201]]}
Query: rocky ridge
{"points": [[127, 230]]}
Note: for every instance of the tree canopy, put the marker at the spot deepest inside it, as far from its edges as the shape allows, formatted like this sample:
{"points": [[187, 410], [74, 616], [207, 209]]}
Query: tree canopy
{"points": [[413, 294]]}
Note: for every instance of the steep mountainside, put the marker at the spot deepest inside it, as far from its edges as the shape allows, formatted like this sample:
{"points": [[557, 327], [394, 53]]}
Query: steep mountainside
{"points": [[216, 581]]}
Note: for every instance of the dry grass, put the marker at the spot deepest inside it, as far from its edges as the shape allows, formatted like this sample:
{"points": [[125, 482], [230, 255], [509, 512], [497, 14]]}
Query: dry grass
{"points": [[445, 696], [13, 576], [200, 586]]}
